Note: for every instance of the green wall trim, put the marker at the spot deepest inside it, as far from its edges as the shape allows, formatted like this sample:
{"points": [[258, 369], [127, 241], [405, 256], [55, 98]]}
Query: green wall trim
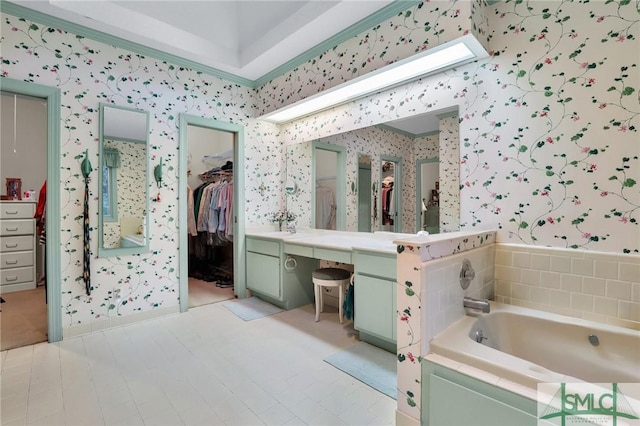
{"points": [[367, 23], [447, 114], [81, 30], [239, 273], [54, 274], [408, 134]]}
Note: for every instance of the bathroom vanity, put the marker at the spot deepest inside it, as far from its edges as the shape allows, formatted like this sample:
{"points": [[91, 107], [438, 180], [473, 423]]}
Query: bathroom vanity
{"points": [[279, 267]]}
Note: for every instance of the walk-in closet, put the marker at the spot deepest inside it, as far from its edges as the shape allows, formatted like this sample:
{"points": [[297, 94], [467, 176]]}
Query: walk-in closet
{"points": [[210, 221]]}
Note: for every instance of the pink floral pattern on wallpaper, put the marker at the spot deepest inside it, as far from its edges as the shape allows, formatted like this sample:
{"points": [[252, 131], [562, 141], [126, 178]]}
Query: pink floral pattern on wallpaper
{"points": [[549, 146], [87, 73]]}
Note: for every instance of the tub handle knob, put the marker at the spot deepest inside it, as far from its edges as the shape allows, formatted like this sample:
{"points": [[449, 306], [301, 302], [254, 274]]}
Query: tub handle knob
{"points": [[593, 339], [467, 274]]}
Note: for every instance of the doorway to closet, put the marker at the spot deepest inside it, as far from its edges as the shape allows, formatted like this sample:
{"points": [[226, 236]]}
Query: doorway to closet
{"points": [[210, 177]]}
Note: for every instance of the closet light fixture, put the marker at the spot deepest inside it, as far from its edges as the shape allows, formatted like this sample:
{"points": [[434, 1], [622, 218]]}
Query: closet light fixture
{"points": [[440, 58]]}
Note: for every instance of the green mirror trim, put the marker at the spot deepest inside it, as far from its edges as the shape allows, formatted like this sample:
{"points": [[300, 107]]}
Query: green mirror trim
{"points": [[114, 215]]}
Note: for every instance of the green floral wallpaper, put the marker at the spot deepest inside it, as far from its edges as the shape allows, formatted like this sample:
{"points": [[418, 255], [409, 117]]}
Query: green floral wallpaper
{"points": [[549, 141]]}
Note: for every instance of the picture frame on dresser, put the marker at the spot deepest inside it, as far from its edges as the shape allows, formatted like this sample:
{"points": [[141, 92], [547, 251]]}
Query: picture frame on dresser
{"points": [[14, 188]]}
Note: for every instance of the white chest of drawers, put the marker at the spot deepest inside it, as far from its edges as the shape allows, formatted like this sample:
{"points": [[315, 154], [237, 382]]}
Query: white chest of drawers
{"points": [[17, 246]]}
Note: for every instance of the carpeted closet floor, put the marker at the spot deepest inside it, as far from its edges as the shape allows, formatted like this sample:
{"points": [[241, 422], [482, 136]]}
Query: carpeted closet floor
{"points": [[23, 318]]}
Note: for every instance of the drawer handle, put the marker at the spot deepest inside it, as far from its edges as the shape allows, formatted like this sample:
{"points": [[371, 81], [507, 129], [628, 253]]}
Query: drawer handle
{"points": [[14, 245], [11, 262], [11, 211], [12, 278], [11, 229]]}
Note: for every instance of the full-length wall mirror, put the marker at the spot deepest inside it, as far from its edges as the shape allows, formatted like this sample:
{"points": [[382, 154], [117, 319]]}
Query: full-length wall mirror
{"points": [[124, 180], [402, 144]]}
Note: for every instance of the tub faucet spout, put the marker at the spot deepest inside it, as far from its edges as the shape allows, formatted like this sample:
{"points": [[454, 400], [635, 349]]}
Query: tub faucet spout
{"points": [[479, 304]]}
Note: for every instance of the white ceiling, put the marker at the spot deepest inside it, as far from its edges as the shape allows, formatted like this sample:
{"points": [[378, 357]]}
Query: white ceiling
{"points": [[247, 38]]}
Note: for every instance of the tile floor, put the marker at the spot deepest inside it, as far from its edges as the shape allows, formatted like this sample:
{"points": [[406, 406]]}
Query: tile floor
{"points": [[203, 367]]}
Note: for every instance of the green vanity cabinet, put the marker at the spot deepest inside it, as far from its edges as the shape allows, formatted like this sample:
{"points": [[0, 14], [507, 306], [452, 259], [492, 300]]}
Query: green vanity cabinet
{"points": [[375, 298], [450, 398], [277, 277]]}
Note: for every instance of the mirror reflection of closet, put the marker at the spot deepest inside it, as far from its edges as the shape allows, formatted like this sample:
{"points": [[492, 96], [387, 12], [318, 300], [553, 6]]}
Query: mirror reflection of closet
{"points": [[329, 196], [428, 195], [364, 193], [391, 194], [210, 175]]}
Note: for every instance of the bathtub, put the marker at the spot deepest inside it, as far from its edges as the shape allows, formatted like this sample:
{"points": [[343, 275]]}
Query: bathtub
{"points": [[528, 347]]}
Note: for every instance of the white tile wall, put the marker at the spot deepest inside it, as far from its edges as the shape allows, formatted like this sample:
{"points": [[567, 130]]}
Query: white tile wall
{"points": [[603, 287], [442, 294]]}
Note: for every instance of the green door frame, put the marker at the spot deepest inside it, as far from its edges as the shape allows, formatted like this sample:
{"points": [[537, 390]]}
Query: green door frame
{"points": [[52, 248], [239, 281]]}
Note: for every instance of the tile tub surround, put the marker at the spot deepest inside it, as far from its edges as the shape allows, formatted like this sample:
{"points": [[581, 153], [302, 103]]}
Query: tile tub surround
{"points": [[597, 286], [415, 257]]}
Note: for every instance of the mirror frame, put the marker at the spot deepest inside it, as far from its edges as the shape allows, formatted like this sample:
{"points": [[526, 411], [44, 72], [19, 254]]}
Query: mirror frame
{"points": [[105, 251], [341, 182]]}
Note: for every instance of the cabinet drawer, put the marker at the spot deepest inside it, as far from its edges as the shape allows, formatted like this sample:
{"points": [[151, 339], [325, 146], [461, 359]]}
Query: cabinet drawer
{"points": [[263, 246], [16, 260], [17, 275], [17, 210], [375, 264], [333, 255], [17, 227], [305, 251], [9, 244]]}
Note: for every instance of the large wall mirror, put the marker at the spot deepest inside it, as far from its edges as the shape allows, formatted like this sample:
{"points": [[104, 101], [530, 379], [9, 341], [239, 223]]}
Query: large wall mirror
{"points": [[377, 155], [124, 181]]}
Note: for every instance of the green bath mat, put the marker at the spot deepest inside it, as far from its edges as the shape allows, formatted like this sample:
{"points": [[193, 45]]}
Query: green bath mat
{"points": [[251, 308], [371, 365]]}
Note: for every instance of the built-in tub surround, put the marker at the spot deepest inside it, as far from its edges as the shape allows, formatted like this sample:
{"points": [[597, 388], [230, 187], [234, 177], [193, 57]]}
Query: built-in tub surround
{"points": [[527, 347], [598, 286], [420, 288]]}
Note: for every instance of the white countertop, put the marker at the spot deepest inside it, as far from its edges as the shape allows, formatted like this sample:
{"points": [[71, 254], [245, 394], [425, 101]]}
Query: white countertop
{"points": [[382, 242]]}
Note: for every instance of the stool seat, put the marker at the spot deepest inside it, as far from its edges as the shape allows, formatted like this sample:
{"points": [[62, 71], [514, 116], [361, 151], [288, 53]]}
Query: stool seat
{"points": [[329, 277]]}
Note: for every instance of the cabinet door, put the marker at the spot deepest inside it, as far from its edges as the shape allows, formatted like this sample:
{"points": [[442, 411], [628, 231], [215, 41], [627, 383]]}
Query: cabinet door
{"points": [[263, 274], [455, 405], [374, 306]]}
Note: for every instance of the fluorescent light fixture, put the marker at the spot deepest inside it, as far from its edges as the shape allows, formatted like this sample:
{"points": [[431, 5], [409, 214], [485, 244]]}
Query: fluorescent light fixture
{"points": [[445, 56]]}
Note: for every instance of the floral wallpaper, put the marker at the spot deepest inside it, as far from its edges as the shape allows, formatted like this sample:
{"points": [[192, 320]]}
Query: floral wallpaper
{"points": [[421, 26], [89, 72], [549, 151], [449, 156]]}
